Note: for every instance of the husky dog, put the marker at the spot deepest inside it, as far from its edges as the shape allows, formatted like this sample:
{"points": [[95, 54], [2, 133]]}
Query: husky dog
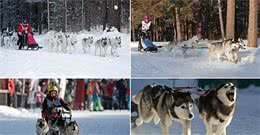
{"points": [[7, 38], [61, 41], [115, 43], [101, 44], [217, 107], [72, 128], [226, 50], [71, 41], [86, 43], [42, 127], [184, 48], [162, 104]]}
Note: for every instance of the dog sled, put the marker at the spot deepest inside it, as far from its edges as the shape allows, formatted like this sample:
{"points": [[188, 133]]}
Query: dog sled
{"points": [[146, 45], [63, 125], [28, 43]]}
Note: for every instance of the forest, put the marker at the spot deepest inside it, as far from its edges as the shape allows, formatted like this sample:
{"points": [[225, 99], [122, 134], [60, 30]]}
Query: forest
{"points": [[65, 15], [208, 19]]}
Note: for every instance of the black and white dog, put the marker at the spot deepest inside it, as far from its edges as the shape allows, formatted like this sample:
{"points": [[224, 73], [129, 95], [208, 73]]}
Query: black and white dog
{"points": [[162, 104], [216, 109], [8, 38], [72, 128], [42, 127], [101, 45]]}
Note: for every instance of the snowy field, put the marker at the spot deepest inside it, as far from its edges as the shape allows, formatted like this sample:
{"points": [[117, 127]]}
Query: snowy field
{"points": [[48, 63], [246, 120], [195, 65], [22, 122]]}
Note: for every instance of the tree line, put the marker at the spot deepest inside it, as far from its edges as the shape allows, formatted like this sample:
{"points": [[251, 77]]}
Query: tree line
{"points": [[208, 19]]}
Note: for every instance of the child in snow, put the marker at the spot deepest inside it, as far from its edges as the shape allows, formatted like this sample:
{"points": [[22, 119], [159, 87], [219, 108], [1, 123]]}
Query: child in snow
{"points": [[50, 105]]}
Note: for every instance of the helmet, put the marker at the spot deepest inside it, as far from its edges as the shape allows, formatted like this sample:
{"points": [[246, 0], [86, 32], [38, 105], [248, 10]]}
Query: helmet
{"points": [[146, 17], [52, 88]]}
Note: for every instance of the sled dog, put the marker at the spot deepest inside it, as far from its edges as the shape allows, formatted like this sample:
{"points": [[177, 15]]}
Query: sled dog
{"points": [[86, 43], [72, 128], [162, 104], [115, 43], [216, 109], [226, 50], [42, 127], [101, 45]]}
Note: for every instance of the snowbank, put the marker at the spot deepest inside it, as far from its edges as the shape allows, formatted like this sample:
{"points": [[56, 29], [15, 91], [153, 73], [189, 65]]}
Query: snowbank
{"points": [[10, 112]]}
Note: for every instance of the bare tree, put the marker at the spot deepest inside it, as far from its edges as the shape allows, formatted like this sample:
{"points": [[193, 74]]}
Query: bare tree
{"points": [[252, 28], [230, 26], [221, 20], [178, 24]]}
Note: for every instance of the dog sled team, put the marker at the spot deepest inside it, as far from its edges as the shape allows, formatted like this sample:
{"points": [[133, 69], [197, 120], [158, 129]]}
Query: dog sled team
{"points": [[24, 38], [226, 50], [56, 116], [163, 105], [67, 42]]}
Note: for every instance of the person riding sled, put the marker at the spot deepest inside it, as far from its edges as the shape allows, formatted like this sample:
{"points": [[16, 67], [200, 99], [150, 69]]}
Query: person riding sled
{"points": [[145, 30], [25, 36], [50, 107]]}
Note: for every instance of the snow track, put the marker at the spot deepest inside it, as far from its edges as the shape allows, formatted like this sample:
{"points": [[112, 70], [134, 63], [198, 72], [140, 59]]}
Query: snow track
{"points": [[43, 63], [195, 65]]}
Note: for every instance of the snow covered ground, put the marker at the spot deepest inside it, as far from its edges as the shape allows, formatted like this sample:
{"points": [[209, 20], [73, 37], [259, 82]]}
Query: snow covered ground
{"points": [[22, 122], [195, 65], [246, 120], [46, 63]]}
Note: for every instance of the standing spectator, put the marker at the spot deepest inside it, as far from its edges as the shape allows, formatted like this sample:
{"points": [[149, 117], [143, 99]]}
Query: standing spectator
{"points": [[96, 97], [39, 95], [122, 93], [69, 92], [11, 88], [89, 94], [109, 89]]}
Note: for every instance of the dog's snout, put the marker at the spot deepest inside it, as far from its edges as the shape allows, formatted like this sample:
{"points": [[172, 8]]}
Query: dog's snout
{"points": [[190, 116]]}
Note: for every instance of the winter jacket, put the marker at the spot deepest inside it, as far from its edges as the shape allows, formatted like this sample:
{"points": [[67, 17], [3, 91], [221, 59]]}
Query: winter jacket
{"points": [[50, 104], [22, 28], [11, 86]]}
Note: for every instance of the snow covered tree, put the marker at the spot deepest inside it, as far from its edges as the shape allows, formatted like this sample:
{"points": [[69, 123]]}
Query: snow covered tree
{"points": [[252, 28]]}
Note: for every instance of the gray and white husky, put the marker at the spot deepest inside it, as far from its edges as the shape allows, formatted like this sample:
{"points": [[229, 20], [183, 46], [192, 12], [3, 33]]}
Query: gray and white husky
{"points": [[86, 43], [115, 44], [216, 109], [101, 45], [42, 127], [227, 50], [162, 104], [181, 47], [72, 128]]}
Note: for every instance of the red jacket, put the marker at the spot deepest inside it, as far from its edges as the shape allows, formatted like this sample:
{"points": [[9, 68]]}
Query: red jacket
{"points": [[11, 86], [22, 28]]}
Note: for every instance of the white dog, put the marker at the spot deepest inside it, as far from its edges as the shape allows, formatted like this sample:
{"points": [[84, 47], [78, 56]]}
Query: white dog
{"points": [[115, 43], [86, 43]]}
